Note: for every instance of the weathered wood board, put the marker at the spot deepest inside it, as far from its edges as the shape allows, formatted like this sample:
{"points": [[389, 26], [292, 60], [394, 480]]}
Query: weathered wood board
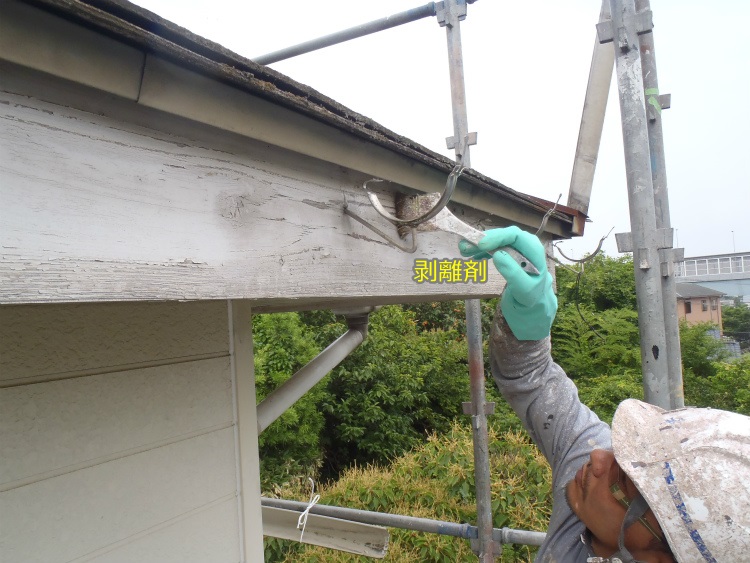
{"points": [[93, 209]]}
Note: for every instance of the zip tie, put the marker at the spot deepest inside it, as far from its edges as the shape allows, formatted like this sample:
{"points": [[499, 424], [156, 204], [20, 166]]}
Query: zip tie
{"points": [[302, 521]]}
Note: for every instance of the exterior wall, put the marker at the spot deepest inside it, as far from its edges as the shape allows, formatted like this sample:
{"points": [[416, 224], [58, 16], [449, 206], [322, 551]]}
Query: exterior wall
{"points": [[118, 432], [712, 314]]}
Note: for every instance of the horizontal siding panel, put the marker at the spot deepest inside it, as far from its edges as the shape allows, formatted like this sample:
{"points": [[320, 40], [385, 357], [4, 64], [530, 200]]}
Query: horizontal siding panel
{"points": [[44, 340], [57, 426], [210, 536], [83, 512]]}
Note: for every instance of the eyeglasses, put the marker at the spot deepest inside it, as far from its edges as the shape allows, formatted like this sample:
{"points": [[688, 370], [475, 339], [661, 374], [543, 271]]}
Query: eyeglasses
{"points": [[623, 500]]}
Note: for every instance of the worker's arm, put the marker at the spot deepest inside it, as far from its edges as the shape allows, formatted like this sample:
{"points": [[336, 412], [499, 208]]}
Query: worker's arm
{"points": [[541, 394], [537, 389]]}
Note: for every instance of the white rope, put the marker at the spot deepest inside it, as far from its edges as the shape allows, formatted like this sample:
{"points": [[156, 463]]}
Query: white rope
{"points": [[302, 521]]}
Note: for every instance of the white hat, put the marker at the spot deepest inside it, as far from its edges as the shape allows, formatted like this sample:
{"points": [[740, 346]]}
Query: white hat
{"points": [[693, 468]]}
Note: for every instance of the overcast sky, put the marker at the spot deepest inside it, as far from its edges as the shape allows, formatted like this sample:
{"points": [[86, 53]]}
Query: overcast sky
{"points": [[526, 67]]}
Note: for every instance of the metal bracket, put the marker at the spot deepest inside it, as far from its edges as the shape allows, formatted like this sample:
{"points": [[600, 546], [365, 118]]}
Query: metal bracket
{"points": [[450, 186], [451, 16], [625, 240], [410, 249], [471, 139], [656, 102], [476, 547], [644, 259], [668, 257], [644, 23]]}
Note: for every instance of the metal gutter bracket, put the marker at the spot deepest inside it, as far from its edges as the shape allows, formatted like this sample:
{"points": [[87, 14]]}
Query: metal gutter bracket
{"points": [[445, 197], [450, 186]]}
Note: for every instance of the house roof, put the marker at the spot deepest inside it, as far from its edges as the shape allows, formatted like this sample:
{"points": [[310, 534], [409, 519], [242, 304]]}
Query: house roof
{"points": [[693, 290], [145, 30]]}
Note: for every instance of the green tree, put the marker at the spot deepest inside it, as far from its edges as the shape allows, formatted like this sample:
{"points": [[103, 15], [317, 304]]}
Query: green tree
{"points": [[700, 350], [727, 389], [450, 315], [606, 283], [397, 386], [290, 446], [589, 343], [736, 321]]}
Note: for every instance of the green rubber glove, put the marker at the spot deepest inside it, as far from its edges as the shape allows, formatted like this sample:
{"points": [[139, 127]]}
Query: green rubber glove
{"points": [[528, 303]]}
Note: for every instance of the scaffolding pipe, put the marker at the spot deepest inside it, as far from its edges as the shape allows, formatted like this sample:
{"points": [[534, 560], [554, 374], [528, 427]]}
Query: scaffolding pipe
{"points": [[352, 33], [644, 237], [592, 122], [273, 406], [449, 16], [426, 525], [655, 103], [482, 479]]}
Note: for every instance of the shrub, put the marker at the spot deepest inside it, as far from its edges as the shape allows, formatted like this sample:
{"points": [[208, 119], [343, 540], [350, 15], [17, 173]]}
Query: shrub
{"points": [[395, 388], [604, 393], [728, 389], [700, 350], [290, 445], [436, 480], [591, 343]]}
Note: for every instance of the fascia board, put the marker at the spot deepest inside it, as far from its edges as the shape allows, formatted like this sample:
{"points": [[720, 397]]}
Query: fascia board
{"points": [[37, 39], [213, 94]]}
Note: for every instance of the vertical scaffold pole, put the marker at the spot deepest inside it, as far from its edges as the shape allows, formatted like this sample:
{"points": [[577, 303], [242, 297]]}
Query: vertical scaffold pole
{"points": [[478, 409], [645, 240], [655, 102], [449, 16]]}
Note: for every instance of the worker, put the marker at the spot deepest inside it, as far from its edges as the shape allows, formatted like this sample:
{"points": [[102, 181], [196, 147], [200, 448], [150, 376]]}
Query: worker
{"points": [[659, 486]]}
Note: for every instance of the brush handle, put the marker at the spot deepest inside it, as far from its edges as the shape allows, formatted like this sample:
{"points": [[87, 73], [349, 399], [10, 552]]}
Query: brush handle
{"points": [[446, 221]]}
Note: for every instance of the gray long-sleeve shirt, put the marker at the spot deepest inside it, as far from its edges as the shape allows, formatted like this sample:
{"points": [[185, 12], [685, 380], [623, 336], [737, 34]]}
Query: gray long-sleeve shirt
{"points": [[563, 428]]}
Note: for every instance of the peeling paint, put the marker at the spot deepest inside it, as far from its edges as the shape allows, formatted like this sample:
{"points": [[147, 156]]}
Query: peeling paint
{"points": [[368, 239], [696, 507], [317, 204]]}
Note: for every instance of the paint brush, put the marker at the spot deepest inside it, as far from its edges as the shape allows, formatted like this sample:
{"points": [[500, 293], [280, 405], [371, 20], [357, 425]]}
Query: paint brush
{"points": [[408, 207]]}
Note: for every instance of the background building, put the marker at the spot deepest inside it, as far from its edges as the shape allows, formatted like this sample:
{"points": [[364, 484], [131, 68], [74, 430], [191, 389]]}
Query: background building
{"points": [[699, 304], [727, 273]]}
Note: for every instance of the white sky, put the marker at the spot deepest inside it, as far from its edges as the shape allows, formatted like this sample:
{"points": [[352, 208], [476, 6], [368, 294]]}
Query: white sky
{"points": [[526, 66]]}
